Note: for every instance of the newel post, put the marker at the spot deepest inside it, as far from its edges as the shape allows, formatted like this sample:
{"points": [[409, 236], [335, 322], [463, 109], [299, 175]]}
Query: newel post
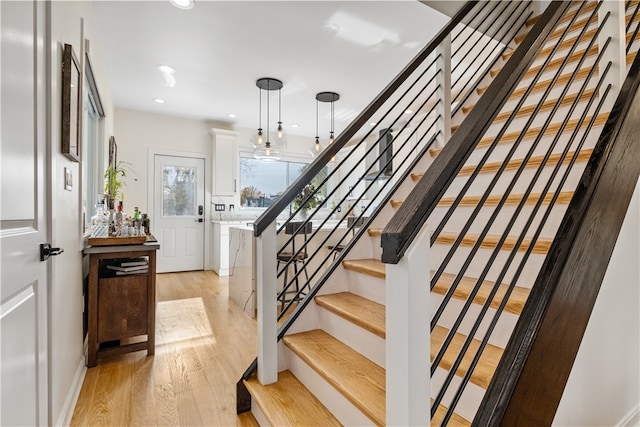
{"points": [[266, 247], [408, 316]]}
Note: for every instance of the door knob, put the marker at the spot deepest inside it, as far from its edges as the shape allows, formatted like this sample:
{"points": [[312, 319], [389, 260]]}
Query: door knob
{"points": [[47, 251]]}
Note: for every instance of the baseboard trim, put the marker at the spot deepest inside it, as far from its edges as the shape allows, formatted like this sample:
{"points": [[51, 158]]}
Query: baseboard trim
{"points": [[632, 418], [72, 397]]}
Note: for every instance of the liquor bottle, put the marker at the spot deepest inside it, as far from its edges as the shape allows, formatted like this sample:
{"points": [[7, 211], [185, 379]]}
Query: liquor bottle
{"points": [[100, 221], [118, 219]]}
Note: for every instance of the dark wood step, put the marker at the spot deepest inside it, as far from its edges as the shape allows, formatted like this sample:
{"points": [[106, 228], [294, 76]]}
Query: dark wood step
{"points": [[289, 403]]}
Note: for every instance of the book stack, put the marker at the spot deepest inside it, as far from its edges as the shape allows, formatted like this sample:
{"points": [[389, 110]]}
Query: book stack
{"points": [[130, 266]]}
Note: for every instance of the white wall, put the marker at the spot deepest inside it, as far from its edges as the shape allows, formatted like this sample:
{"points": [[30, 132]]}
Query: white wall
{"points": [[604, 385], [139, 133], [71, 22]]}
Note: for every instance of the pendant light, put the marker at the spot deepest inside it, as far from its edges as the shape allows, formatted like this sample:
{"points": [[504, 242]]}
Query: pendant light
{"points": [[324, 97], [267, 146]]}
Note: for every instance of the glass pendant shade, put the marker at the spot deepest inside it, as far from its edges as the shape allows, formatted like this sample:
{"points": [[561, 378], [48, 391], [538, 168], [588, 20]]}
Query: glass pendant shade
{"points": [[267, 145], [324, 97]]}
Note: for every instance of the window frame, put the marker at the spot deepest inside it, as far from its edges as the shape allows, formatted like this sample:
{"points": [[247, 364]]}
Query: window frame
{"points": [[288, 157]]}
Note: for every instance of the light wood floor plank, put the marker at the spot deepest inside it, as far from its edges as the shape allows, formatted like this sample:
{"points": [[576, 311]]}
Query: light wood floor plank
{"points": [[203, 344]]}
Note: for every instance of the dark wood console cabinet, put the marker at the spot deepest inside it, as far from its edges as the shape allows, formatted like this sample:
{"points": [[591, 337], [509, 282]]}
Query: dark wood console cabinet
{"points": [[121, 310]]}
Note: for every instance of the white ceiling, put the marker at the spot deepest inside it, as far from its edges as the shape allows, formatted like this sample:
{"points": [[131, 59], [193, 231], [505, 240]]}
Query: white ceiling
{"points": [[220, 48]]}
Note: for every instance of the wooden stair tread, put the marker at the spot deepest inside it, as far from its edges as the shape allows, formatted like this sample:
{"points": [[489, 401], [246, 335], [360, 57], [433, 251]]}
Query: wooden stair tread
{"points": [[514, 164], [554, 64], [289, 403], [512, 200], [541, 246], [552, 129], [514, 305], [578, 24], [483, 372], [566, 44], [527, 110], [246, 419], [542, 85], [357, 378], [363, 312], [455, 420], [516, 301], [370, 267]]}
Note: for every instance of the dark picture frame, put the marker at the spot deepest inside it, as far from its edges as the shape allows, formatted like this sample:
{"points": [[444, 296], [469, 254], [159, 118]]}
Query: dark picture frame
{"points": [[71, 104], [113, 152]]}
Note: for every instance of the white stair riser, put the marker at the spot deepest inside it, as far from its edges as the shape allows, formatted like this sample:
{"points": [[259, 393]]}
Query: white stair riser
{"points": [[501, 332], [460, 217], [471, 397], [521, 185], [364, 342], [478, 263], [335, 402], [259, 415], [366, 286]]}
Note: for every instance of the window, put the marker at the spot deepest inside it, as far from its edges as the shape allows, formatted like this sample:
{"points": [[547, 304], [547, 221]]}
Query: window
{"points": [[263, 182], [92, 143]]}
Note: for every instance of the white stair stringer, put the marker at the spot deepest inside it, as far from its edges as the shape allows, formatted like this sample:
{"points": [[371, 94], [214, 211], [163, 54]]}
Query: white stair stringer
{"points": [[341, 408]]}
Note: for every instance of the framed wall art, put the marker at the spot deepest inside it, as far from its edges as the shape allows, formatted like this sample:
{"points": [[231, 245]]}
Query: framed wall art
{"points": [[71, 104]]}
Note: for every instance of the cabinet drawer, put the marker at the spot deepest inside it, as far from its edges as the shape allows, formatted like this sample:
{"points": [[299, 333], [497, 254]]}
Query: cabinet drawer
{"points": [[122, 307]]}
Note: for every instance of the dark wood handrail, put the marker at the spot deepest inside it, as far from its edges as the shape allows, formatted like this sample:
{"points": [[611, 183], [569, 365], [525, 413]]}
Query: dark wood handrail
{"points": [[530, 379], [281, 203], [413, 213]]}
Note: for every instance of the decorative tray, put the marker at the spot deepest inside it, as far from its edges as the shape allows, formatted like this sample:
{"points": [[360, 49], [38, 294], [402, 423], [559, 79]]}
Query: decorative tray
{"points": [[111, 241]]}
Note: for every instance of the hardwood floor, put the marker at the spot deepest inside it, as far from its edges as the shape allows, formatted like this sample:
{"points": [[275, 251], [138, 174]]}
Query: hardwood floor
{"points": [[203, 344]]}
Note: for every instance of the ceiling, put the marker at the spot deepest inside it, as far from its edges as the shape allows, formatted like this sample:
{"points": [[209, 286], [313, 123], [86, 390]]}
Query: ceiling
{"points": [[220, 48]]}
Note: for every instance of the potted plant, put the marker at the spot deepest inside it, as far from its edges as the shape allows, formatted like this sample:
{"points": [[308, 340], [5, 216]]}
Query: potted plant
{"points": [[307, 199], [113, 184]]}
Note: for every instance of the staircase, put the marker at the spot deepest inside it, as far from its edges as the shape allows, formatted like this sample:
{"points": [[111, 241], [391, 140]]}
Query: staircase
{"points": [[490, 234]]}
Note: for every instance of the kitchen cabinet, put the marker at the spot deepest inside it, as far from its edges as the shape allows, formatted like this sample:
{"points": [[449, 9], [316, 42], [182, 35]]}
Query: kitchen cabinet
{"points": [[225, 160], [220, 247]]}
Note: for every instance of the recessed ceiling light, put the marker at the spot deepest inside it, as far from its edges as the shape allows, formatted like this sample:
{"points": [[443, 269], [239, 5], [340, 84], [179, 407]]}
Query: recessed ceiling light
{"points": [[231, 116], [294, 125], [166, 69], [183, 4], [158, 100]]}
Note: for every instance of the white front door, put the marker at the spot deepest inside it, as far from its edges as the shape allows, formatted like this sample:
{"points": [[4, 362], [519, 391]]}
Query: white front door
{"points": [[23, 215], [178, 212]]}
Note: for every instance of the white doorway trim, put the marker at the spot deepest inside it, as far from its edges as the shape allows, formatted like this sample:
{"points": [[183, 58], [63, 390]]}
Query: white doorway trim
{"points": [[207, 192]]}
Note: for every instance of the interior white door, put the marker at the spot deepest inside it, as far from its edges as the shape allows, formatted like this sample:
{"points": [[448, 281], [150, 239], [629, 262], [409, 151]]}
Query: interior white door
{"points": [[23, 215], [178, 212]]}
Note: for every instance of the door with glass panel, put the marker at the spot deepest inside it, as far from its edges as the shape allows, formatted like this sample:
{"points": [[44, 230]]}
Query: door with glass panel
{"points": [[179, 212]]}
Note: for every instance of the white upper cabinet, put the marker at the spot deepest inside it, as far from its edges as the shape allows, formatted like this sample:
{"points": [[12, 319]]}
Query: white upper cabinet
{"points": [[225, 159]]}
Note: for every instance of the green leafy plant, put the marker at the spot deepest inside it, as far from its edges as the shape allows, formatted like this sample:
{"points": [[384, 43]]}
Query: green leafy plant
{"points": [[113, 184], [308, 198]]}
